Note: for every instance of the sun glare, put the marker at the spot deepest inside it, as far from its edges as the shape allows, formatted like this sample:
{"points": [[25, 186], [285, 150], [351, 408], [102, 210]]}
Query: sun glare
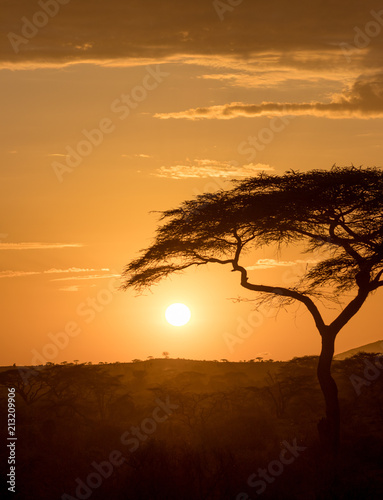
{"points": [[177, 314]]}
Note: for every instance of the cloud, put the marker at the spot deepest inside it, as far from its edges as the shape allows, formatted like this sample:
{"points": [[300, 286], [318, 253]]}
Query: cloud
{"points": [[261, 73], [271, 263], [37, 246], [205, 168], [17, 274], [364, 99], [72, 288], [136, 155], [75, 288], [89, 277], [73, 270], [126, 32]]}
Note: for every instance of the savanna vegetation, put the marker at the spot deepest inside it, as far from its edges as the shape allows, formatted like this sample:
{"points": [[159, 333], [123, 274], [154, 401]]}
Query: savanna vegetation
{"points": [[193, 430]]}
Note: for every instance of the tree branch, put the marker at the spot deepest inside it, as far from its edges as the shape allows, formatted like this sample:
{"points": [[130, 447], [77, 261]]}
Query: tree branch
{"points": [[376, 283], [210, 259], [284, 292], [350, 310]]}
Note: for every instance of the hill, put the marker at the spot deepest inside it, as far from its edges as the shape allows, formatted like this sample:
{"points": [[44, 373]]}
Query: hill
{"points": [[372, 347]]}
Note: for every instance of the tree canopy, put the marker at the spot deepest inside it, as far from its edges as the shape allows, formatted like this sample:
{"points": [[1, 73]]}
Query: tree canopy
{"points": [[338, 210]]}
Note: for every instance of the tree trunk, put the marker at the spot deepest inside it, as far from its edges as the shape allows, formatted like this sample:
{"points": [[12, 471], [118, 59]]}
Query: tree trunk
{"points": [[329, 427]]}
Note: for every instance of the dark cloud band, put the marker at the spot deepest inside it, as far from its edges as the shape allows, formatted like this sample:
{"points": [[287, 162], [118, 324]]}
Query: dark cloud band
{"points": [[67, 31]]}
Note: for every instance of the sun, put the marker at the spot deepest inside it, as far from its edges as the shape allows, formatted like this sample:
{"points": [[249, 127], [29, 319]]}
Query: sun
{"points": [[177, 314]]}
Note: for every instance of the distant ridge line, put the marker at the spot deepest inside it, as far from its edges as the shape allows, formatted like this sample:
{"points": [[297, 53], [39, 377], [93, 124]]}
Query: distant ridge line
{"points": [[372, 347]]}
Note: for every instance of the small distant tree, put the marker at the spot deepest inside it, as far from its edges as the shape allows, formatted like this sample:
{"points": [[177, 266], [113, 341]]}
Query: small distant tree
{"points": [[165, 354], [338, 214]]}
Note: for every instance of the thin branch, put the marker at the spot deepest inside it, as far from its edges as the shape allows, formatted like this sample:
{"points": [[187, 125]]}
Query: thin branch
{"points": [[377, 277], [223, 240], [336, 240], [376, 284], [206, 260]]}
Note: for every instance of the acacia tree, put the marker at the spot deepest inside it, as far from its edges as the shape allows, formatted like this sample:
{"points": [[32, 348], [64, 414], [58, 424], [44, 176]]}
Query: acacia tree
{"points": [[336, 213]]}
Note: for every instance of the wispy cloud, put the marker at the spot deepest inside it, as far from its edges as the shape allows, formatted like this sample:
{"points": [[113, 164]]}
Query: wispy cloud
{"points": [[17, 274], [88, 277], [364, 99], [73, 288], [262, 74], [37, 246], [140, 155], [271, 263], [74, 270], [204, 168]]}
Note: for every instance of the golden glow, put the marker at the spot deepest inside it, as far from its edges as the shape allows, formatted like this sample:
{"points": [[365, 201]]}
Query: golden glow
{"points": [[93, 149], [177, 314]]}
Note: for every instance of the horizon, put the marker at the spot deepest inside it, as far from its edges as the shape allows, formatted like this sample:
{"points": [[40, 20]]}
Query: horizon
{"points": [[222, 360]]}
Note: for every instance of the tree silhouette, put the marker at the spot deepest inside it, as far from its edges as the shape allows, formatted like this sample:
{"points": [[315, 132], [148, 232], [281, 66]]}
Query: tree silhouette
{"points": [[336, 213], [28, 383]]}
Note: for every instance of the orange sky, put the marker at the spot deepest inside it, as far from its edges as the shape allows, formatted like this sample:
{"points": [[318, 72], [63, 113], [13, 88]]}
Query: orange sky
{"points": [[112, 110]]}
